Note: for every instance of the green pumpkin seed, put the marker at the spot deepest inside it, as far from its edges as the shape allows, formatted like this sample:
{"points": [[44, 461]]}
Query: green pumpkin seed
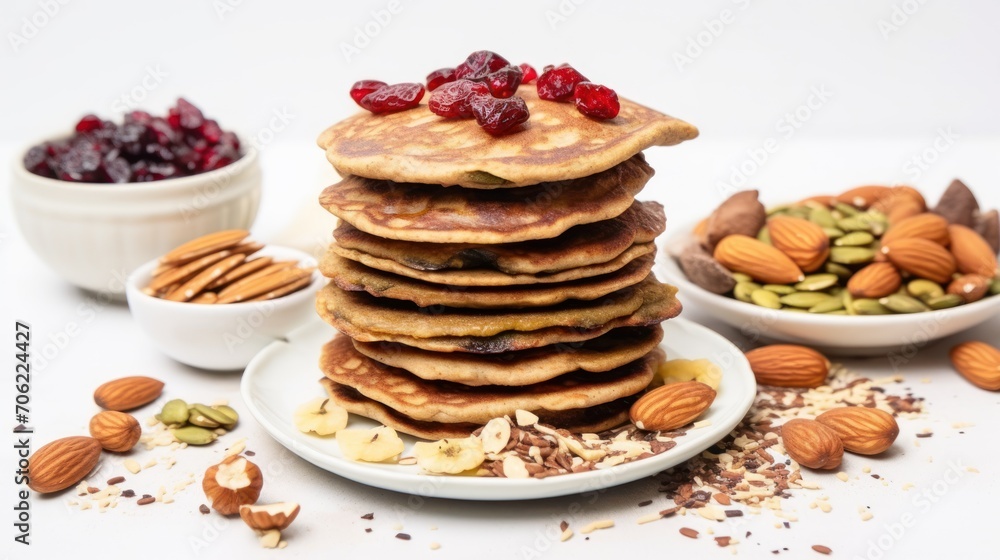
{"points": [[837, 312], [776, 210], [193, 435], [198, 419], [740, 277], [924, 289], [854, 223], [780, 289], [821, 216], [765, 298], [804, 300], [848, 301], [798, 212], [831, 304], [851, 255], [866, 306], [743, 290], [764, 235], [817, 282], [904, 304], [995, 286], [794, 309], [840, 270], [220, 418], [833, 233], [945, 301], [855, 239], [846, 210], [234, 416], [174, 412]]}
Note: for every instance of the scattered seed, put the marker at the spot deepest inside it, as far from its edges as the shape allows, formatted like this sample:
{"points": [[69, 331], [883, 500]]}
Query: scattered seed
{"points": [[689, 532], [645, 503], [368, 516], [146, 500], [403, 536], [116, 480], [821, 549], [595, 525], [204, 509], [723, 541], [127, 494], [734, 513]]}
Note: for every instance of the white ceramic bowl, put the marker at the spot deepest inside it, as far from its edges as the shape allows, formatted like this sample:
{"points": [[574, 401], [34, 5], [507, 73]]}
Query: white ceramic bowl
{"points": [[221, 336], [94, 235], [890, 335]]}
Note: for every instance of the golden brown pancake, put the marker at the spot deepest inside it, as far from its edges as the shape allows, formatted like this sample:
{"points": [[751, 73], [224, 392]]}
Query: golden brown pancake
{"points": [[444, 401], [352, 276], [579, 246], [582, 420], [659, 304], [482, 278], [432, 213], [606, 352], [557, 143], [391, 316]]}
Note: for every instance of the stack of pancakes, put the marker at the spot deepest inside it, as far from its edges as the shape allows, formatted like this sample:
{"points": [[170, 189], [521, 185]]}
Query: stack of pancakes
{"points": [[472, 276]]}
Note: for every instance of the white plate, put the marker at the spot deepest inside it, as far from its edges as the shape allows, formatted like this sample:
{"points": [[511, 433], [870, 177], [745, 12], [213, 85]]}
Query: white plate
{"points": [[285, 374], [897, 336]]}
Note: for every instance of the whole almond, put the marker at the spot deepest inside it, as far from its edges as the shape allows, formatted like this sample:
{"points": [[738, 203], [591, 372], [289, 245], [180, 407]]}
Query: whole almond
{"points": [[671, 406], [126, 393], [875, 281], [922, 258], [970, 287], [924, 226], [803, 241], [741, 253], [862, 430], [812, 444], [788, 365], [823, 199], [973, 255], [978, 362], [62, 463], [740, 214], [865, 196], [901, 197], [903, 209], [116, 431]]}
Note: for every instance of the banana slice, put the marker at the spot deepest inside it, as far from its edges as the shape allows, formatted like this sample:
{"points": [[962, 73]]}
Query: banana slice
{"points": [[495, 435], [373, 445], [676, 371], [449, 456], [320, 416]]}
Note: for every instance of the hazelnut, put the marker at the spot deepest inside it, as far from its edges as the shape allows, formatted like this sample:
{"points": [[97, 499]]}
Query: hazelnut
{"points": [[232, 483], [268, 517]]}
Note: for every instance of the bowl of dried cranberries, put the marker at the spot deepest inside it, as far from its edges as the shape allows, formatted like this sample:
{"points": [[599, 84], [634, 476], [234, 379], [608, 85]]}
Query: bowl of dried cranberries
{"points": [[97, 202]]}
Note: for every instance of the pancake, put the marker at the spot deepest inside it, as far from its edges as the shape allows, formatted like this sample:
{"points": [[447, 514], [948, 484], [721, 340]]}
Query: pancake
{"points": [[444, 401], [604, 353], [432, 213], [659, 304], [557, 142], [579, 246], [482, 278], [352, 276], [390, 316], [584, 420]]}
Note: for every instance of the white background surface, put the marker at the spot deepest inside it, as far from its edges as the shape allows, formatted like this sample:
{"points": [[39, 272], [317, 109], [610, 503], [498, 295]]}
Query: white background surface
{"points": [[892, 97]]}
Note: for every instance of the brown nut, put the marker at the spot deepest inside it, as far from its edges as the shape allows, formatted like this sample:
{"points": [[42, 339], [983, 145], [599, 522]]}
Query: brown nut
{"points": [[62, 463], [117, 431], [862, 430], [232, 483], [788, 365], [268, 517], [812, 444], [127, 393], [672, 406]]}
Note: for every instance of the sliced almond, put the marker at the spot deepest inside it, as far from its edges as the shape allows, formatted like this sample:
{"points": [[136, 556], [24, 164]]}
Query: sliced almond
{"points": [[195, 285], [205, 245], [206, 297], [286, 289], [247, 248], [245, 269], [272, 268], [187, 271], [262, 285]]}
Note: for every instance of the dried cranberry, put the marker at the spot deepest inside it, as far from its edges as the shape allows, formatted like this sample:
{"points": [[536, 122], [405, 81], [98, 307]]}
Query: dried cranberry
{"points": [[499, 116], [211, 131], [362, 88], [528, 73], [595, 100], [88, 123], [452, 99], [479, 64], [189, 115], [118, 170], [547, 67], [504, 82], [390, 99], [440, 77], [558, 84], [141, 117]]}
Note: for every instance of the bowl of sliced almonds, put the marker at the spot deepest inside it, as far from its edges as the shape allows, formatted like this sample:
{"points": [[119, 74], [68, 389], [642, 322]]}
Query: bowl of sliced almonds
{"points": [[217, 300], [871, 271]]}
